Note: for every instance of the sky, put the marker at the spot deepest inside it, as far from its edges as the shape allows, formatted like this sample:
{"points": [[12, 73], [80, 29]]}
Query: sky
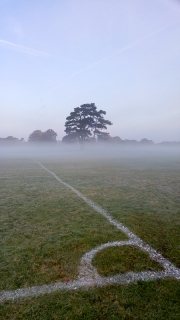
{"points": [[122, 55]]}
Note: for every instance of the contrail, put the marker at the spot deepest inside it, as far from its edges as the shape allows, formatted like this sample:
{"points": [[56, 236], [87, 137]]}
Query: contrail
{"points": [[33, 52], [117, 52], [125, 48], [129, 46], [23, 49]]}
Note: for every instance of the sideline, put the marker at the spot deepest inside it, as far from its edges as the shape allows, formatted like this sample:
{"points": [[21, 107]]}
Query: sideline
{"points": [[88, 275]]}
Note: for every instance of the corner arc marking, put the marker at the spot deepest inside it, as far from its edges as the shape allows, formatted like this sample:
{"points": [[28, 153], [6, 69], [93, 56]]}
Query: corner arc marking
{"points": [[154, 255]]}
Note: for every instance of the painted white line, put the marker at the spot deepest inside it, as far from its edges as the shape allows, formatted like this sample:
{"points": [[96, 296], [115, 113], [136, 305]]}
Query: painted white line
{"points": [[88, 275]]}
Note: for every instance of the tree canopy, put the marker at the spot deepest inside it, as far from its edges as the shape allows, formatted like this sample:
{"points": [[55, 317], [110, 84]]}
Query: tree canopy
{"points": [[39, 136], [86, 123]]}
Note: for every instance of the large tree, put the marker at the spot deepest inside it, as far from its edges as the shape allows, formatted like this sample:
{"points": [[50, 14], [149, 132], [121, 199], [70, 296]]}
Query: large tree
{"points": [[86, 122]]}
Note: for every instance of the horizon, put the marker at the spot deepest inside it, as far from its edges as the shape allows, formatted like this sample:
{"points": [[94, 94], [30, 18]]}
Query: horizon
{"points": [[87, 142]]}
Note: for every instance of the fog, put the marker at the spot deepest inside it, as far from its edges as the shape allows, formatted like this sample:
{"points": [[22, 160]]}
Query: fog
{"points": [[89, 152]]}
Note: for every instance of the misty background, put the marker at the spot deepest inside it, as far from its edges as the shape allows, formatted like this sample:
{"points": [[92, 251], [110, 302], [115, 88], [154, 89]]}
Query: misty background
{"points": [[121, 55]]}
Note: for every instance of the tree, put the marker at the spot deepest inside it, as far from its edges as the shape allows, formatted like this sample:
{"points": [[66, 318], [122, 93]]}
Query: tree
{"points": [[49, 136], [85, 123], [35, 136], [146, 142], [115, 140], [39, 136]]}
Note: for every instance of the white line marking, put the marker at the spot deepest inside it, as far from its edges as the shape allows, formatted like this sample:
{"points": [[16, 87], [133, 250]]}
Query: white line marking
{"points": [[88, 275]]}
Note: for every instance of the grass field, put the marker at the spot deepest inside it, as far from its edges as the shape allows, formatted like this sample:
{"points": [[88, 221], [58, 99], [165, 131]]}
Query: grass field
{"points": [[46, 229]]}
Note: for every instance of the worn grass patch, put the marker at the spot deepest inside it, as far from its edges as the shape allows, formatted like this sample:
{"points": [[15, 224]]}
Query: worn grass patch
{"points": [[114, 260]]}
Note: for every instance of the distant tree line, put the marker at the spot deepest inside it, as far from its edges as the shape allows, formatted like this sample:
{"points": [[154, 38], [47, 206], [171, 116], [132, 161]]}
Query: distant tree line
{"points": [[10, 140]]}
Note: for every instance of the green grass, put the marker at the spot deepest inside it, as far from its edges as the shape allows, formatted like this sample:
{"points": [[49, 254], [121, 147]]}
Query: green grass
{"points": [[142, 193], [114, 260], [145, 300], [45, 229]]}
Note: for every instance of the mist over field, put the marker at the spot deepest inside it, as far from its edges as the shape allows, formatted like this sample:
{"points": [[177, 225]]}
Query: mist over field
{"points": [[90, 152]]}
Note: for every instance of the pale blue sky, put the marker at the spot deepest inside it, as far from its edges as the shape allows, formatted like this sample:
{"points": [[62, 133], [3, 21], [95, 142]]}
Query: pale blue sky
{"points": [[122, 55]]}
